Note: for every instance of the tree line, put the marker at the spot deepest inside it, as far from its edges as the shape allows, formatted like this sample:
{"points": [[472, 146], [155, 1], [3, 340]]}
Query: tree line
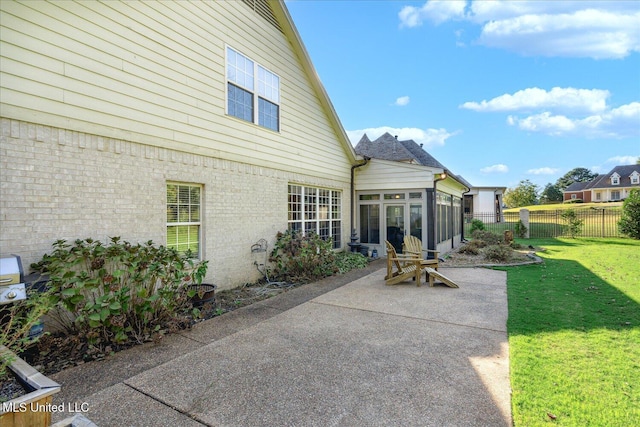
{"points": [[527, 193]]}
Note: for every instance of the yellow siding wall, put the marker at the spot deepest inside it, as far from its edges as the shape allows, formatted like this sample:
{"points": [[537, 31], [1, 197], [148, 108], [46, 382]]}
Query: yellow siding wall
{"points": [[386, 175], [154, 73]]}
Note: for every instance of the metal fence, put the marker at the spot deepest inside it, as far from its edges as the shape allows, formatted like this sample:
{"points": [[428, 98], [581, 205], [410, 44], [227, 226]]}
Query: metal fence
{"points": [[595, 223]]}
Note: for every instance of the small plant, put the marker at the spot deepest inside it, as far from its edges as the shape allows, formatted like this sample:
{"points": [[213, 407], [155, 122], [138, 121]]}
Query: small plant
{"points": [[347, 261], [17, 320], [489, 237], [470, 248], [499, 253], [476, 224], [520, 229], [516, 246], [574, 224], [301, 258]]}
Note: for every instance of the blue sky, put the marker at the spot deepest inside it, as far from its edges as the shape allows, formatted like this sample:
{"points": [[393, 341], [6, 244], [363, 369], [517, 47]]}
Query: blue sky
{"points": [[497, 91]]}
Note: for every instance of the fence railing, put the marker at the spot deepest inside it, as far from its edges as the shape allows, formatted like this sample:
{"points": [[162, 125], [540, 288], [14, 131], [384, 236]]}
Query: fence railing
{"points": [[595, 223]]}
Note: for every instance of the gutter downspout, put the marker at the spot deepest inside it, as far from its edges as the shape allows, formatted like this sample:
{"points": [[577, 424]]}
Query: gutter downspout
{"points": [[353, 191], [462, 219], [432, 236]]}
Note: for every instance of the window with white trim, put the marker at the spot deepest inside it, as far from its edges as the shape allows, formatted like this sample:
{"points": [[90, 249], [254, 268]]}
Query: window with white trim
{"points": [[317, 210], [253, 92], [184, 213], [615, 179], [635, 177]]}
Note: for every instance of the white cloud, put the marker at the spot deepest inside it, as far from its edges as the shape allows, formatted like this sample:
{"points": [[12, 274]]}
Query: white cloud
{"points": [[621, 122], [428, 137], [624, 160], [499, 168], [402, 101], [436, 11], [543, 171], [560, 99], [593, 29]]}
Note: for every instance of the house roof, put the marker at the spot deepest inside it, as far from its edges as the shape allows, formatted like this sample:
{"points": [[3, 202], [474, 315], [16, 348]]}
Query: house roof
{"points": [[624, 171], [388, 147], [604, 180]]}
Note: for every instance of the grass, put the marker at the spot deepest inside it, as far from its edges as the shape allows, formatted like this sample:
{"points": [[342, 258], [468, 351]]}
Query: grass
{"points": [[574, 334], [563, 206]]}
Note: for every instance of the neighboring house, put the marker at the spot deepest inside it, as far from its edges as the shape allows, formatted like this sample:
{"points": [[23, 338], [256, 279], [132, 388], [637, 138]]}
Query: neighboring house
{"points": [[194, 124], [484, 203], [611, 187], [403, 190]]}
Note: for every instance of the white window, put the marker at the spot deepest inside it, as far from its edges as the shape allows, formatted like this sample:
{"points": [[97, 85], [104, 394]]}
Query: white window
{"points": [[635, 178], [573, 197], [253, 92], [615, 179], [615, 195], [598, 196], [184, 203], [317, 210]]}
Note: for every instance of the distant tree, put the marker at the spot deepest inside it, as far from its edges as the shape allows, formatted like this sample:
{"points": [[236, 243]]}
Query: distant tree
{"points": [[630, 222], [575, 175], [551, 194], [638, 161], [524, 194]]}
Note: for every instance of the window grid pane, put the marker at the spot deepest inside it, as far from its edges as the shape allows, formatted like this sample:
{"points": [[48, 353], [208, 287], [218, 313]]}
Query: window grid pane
{"points": [[268, 114], [240, 103], [268, 84], [316, 210], [239, 69], [183, 217]]}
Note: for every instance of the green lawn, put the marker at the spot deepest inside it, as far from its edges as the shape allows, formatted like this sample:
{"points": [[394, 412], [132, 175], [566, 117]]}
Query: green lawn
{"points": [[563, 206], [574, 334]]}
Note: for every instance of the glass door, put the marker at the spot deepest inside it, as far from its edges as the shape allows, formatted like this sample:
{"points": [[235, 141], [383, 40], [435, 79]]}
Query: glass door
{"points": [[395, 221]]}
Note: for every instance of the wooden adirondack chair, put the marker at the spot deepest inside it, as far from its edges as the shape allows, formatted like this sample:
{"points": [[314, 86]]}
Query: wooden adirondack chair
{"points": [[405, 267], [413, 247]]}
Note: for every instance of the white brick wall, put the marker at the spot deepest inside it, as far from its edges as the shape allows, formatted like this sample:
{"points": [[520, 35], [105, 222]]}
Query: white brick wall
{"points": [[59, 184]]}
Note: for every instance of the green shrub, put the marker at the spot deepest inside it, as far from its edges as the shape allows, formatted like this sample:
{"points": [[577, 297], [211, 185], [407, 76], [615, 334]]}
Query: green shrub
{"points": [[476, 224], [574, 224], [471, 248], [118, 293], [629, 223], [347, 261], [16, 321], [301, 258], [488, 237], [499, 253], [520, 229]]}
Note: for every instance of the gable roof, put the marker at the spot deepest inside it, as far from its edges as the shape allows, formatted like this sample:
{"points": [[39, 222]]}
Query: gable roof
{"points": [[604, 180], [624, 172], [388, 147], [288, 28]]}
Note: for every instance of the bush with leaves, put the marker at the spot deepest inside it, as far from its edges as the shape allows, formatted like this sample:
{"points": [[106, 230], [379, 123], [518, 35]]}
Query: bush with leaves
{"points": [[119, 293], [498, 253], [16, 323], [629, 223], [347, 261], [476, 224], [573, 223], [471, 248], [300, 258], [488, 237], [520, 229]]}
